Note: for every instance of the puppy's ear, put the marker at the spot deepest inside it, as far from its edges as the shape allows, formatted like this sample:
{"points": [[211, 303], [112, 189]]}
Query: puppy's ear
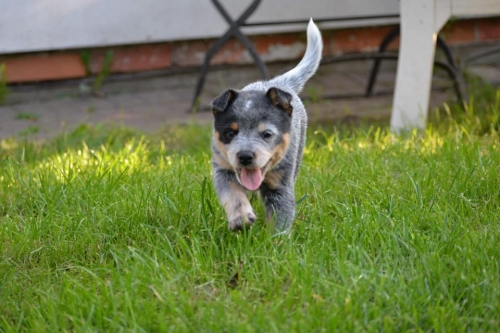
{"points": [[280, 99], [221, 103]]}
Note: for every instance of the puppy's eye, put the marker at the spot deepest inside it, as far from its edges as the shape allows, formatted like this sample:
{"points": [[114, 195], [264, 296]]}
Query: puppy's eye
{"points": [[231, 134], [267, 134]]}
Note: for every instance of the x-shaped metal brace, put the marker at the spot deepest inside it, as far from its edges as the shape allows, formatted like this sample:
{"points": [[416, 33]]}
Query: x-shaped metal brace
{"points": [[234, 31]]}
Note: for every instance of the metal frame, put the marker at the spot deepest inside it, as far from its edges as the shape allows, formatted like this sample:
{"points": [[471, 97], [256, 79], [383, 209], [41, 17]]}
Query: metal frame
{"points": [[479, 55], [234, 31], [453, 72], [449, 66]]}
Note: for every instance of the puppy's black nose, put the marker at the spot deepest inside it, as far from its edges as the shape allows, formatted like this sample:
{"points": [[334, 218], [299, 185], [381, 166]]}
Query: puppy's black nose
{"points": [[245, 157]]}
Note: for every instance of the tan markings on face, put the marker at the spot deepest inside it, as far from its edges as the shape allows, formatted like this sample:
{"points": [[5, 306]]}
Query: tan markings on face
{"points": [[220, 145], [273, 179], [234, 126], [262, 127], [221, 162], [279, 151]]}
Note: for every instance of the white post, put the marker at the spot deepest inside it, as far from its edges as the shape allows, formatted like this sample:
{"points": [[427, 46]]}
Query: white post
{"points": [[420, 22]]}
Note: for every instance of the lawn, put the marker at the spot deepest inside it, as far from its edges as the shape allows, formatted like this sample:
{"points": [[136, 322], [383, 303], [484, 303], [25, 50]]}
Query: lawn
{"points": [[107, 229]]}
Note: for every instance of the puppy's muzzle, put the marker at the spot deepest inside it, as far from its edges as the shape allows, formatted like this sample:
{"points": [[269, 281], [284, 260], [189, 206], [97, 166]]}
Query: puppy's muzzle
{"points": [[245, 157]]}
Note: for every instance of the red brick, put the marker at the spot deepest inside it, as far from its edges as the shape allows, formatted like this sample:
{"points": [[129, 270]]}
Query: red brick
{"points": [[133, 58], [285, 46], [357, 40], [263, 44], [327, 43], [394, 45], [43, 67], [459, 32], [488, 29], [280, 47], [190, 53], [231, 53]]}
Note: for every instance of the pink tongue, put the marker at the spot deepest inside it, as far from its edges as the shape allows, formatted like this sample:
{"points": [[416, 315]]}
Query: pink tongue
{"points": [[251, 178]]}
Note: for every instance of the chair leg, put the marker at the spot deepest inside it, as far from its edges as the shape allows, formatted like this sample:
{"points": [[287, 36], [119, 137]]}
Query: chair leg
{"points": [[234, 31], [376, 65], [458, 80], [204, 68]]}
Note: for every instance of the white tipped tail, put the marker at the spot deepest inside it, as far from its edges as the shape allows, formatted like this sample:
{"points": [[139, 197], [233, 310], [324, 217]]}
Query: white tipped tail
{"points": [[297, 77]]}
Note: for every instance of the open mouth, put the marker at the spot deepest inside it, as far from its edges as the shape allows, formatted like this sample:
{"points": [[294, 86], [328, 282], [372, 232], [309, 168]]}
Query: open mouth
{"points": [[252, 178]]}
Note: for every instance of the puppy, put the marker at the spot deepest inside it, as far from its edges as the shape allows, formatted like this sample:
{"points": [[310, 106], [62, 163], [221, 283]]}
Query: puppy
{"points": [[258, 140]]}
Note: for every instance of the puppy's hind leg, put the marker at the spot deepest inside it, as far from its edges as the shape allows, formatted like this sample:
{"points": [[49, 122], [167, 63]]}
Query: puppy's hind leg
{"points": [[280, 207], [234, 200]]}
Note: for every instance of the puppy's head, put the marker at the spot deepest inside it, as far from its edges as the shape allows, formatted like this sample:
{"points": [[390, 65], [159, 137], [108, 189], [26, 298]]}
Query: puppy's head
{"points": [[252, 131]]}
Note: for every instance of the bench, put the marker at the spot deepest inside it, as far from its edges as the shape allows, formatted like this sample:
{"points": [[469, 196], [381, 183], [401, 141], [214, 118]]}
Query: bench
{"points": [[234, 31], [420, 23], [414, 72]]}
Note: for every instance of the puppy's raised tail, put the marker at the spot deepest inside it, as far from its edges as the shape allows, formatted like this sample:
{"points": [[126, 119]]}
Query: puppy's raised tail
{"points": [[297, 77]]}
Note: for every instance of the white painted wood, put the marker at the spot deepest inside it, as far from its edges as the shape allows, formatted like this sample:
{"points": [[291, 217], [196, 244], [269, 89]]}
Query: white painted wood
{"points": [[475, 7], [420, 22], [443, 12], [38, 25], [416, 58]]}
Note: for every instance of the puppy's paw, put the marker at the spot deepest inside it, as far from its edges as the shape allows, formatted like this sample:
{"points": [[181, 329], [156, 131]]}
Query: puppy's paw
{"points": [[239, 222]]}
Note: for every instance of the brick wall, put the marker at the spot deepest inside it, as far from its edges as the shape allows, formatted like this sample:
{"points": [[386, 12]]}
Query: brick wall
{"points": [[69, 65]]}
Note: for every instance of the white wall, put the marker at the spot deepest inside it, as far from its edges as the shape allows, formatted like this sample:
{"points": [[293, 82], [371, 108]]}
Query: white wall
{"points": [[37, 25]]}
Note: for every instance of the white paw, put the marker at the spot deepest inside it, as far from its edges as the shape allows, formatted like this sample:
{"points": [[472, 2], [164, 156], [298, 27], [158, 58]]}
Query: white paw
{"points": [[241, 221]]}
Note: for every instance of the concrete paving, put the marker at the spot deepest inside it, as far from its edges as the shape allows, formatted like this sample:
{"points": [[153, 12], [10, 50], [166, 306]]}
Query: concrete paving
{"points": [[149, 101]]}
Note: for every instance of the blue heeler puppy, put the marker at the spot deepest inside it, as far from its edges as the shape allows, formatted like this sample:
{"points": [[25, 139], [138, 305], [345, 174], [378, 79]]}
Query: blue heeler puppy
{"points": [[258, 141]]}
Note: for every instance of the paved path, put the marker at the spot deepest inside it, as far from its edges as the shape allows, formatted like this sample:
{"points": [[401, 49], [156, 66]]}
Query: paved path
{"points": [[147, 103]]}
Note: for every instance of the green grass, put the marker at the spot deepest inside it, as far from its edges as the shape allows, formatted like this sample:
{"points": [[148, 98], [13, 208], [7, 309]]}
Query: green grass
{"points": [[27, 116], [106, 229]]}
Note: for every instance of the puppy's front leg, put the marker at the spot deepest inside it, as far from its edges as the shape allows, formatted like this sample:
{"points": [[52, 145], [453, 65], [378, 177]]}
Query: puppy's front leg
{"points": [[280, 206], [234, 200]]}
